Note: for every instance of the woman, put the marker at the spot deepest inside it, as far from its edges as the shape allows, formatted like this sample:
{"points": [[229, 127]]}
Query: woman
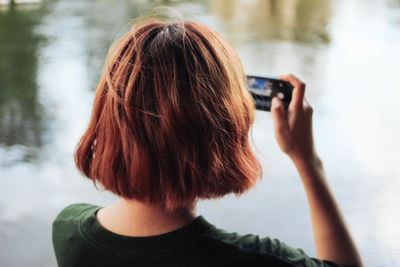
{"points": [[169, 126]]}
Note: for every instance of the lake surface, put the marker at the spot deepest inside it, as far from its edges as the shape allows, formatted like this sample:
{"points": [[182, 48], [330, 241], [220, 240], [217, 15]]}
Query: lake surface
{"points": [[348, 52]]}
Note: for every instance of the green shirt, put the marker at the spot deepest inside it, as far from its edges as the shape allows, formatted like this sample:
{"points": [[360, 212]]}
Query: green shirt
{"points": [[79, 240]]}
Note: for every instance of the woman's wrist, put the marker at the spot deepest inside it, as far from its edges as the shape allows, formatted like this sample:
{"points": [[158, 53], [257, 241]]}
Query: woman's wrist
{"points": [[308, 166], [311, 160]]}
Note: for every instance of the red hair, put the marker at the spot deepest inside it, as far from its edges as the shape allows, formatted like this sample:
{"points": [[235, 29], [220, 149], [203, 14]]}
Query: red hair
{"points": [[171, 118]]}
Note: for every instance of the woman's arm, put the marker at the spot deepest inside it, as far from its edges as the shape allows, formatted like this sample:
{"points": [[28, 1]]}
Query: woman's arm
{"points": [[293, 131]]}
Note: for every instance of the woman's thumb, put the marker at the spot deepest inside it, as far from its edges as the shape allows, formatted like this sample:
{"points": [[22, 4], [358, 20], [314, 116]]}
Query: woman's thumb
{"points": [[279, 115]]}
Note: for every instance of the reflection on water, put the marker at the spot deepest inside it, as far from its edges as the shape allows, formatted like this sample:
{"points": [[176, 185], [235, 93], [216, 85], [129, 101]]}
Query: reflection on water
{"points": [[21, 113], [294, 20], [51, 56]]}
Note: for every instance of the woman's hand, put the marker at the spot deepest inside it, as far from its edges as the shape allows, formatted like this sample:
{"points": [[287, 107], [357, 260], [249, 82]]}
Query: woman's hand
{"points": [[293, 130]]}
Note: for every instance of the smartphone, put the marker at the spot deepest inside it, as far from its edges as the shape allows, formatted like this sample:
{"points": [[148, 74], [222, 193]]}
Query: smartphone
{"points": [[263, 89]]}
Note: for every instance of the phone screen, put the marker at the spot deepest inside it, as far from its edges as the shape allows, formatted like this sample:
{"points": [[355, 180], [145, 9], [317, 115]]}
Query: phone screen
{"points": [[263, 89]]}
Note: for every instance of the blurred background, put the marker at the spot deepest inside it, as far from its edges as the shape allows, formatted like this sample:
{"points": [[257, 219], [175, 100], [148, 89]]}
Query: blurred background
{"points": [[51, 57]]}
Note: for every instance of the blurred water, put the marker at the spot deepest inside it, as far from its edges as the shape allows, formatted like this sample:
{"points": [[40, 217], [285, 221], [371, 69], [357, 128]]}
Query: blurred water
{"points": [[51, 55]]}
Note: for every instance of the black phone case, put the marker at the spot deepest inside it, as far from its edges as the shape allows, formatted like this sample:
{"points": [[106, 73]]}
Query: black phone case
{"points": [[263, 89]]}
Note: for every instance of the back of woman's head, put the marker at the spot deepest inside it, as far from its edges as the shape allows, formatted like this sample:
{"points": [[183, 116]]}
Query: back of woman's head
{"points": [[171, 118]]}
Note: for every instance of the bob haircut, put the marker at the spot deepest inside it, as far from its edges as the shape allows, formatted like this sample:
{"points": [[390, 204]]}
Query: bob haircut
{"points": [[171, 118]]}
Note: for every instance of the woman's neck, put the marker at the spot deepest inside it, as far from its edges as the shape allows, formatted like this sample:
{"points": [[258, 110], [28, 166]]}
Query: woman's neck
{"points": [[135, 218]]}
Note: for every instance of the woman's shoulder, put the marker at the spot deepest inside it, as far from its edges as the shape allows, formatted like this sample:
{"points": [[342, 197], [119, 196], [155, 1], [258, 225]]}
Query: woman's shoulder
{"points": [[75, 212], [253, 248], [68, 220], [67, 233]]}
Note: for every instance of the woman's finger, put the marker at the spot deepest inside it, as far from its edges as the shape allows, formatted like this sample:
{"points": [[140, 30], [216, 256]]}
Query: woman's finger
{"points": [[298, 91], [279, 116]]}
